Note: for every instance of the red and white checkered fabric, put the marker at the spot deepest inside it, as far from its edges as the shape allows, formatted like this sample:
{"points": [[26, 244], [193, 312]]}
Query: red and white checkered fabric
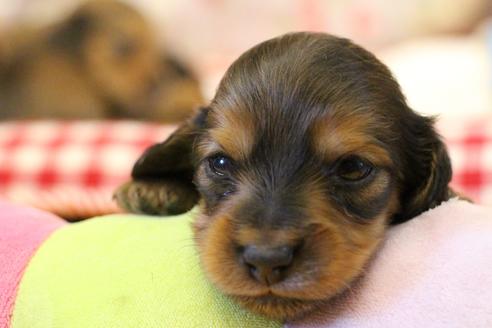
{"points": [[469, 142], [72, 168]]}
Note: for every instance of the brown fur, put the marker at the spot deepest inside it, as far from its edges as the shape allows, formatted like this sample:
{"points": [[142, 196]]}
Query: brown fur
{"points": [[333, 138], [234, 133], [101, 62], [308, 149]]}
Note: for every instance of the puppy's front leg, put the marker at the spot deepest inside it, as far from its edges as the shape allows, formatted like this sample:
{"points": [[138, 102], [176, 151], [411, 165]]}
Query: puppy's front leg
{"points": [[162, 178], [156, 197]]}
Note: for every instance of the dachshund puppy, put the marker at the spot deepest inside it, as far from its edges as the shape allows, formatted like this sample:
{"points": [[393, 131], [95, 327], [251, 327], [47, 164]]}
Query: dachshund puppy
{"points": [[101, 62], [306, 155]]}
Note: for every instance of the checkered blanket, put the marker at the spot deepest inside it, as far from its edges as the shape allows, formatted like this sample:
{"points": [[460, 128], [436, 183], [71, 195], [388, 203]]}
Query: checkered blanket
{"points": [[469, 141], [72, 168]]}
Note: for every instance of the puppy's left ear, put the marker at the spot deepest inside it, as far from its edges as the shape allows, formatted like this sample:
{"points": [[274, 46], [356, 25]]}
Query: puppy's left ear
{"points": [[426, 168], [162, 178]]}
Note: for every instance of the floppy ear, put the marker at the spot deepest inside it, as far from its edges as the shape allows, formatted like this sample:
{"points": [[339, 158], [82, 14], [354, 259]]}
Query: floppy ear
{"points": [[162, 178], [426, 168]]}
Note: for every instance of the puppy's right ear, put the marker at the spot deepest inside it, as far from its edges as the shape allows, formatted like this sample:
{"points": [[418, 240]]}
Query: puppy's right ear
{"points": [[427, 169], [162, 178]]}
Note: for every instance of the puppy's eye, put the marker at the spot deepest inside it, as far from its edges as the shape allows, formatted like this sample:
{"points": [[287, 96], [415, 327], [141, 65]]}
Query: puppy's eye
{"points": [[353, 168], [220, 164]]}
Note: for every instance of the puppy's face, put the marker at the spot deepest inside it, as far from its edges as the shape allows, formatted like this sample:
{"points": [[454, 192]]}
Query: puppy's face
{"points": [[119, 53], [293, 204], [117, 49], [304, 157]]}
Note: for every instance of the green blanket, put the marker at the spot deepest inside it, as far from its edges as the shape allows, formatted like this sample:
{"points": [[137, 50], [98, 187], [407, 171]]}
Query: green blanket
{"points": [[124, 271]]}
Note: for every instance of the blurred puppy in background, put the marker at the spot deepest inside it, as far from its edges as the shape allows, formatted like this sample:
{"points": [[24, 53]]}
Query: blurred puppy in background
{"points": [[100, 62]]}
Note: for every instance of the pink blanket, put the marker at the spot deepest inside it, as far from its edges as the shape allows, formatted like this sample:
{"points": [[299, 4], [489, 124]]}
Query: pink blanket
{"points": [[433, 271], [22, 231]]}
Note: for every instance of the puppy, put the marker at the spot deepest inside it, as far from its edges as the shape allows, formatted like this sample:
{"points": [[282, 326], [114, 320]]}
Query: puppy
{"points": [[101, 62], [306, 155]]}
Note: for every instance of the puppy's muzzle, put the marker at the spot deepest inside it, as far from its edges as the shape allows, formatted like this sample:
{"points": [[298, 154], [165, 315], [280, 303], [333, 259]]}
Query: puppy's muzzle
{"points": [[267, 265]]}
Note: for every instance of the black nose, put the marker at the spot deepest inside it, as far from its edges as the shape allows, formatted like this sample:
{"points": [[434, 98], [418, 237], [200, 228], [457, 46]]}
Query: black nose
{"points": [[268, 265]]}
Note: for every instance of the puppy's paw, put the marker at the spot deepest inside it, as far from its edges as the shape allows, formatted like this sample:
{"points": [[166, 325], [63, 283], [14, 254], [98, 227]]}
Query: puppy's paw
{"points": [[155, 198]]}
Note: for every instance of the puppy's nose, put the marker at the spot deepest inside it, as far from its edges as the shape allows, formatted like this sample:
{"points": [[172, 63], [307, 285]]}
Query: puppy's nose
{"points": [[268, 265]]}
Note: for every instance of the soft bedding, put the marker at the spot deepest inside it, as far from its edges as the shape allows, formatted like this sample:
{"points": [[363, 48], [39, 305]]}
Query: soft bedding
{"points": [[137, 271]]}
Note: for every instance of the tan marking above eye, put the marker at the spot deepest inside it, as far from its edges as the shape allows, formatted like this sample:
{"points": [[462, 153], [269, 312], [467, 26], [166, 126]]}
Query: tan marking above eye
{"points": [[208, 147], [333, 138], [234, 132]]}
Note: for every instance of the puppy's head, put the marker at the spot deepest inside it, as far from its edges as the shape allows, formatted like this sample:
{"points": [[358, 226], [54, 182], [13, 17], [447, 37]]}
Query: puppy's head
{"points": [[304, 157], [117, 49]]}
